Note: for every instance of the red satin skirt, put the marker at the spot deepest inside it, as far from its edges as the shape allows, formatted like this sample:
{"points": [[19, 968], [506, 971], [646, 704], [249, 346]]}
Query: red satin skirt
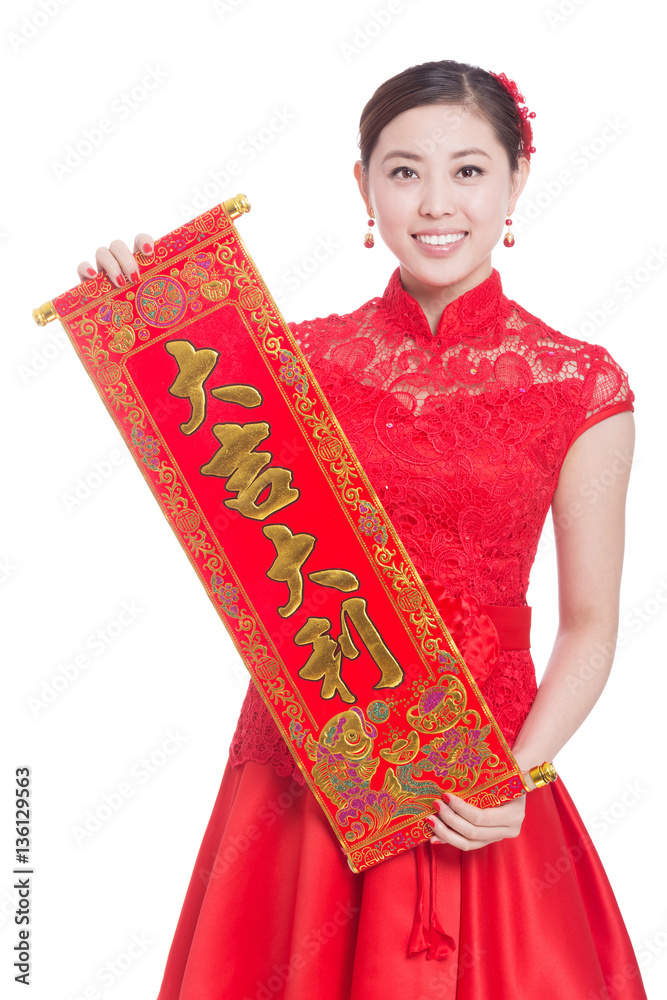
{"points": [[273, 912]]}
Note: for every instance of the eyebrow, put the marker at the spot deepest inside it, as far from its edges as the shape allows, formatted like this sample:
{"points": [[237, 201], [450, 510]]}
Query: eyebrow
{"points": [[404, 154]]}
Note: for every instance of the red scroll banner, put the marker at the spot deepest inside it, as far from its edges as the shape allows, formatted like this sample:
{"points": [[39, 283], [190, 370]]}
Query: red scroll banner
{"points": [[251, 468]]}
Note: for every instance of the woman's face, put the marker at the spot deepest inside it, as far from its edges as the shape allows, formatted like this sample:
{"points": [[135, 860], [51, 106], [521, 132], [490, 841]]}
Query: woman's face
{"points": [[440, 185]]}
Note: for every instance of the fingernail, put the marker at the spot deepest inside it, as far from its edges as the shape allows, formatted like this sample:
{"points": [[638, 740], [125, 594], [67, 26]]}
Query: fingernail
{"points": [[147, 248], [445, 798], [134, 276], [120, 280], [431, 820], [91, 272]]}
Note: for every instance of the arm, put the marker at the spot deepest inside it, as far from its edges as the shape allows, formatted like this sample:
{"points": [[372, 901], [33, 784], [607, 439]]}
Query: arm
{"points": [[590, 559], [589, 551]]}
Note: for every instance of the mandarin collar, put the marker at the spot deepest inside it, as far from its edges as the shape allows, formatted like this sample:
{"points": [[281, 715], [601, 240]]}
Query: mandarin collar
{"points": [[475, 315]]}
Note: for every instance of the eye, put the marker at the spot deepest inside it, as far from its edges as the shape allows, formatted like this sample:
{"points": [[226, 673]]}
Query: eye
{"points": [[402, 170], [471, 171]]}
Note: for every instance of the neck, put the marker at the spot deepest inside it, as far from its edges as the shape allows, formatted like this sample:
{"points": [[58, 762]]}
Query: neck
{"points": [[434, 299]]}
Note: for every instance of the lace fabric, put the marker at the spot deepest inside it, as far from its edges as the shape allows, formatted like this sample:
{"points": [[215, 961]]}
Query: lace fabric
{"points": [[462, 433]]}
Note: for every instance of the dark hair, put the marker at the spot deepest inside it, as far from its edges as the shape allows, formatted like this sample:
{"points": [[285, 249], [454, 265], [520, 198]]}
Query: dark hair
{"points": [[444, 82]]}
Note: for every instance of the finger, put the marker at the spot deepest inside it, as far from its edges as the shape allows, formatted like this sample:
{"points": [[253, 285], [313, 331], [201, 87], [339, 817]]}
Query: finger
{"points": [[144, 243], [106, 261], [503, 815], [85, 270], [448, 824], [127, 263], [443, 834]]}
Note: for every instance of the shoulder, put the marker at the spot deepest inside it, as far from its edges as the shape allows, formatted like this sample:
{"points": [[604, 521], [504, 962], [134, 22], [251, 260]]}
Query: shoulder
{"points": [[556, 350], [602, 383]]}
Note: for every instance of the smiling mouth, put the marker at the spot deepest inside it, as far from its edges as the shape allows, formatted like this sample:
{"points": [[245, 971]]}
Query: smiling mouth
{"points": [[440, 241]]}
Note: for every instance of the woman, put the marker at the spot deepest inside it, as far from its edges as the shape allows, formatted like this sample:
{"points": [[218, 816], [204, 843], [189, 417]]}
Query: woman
{"points": [[472, 418]]}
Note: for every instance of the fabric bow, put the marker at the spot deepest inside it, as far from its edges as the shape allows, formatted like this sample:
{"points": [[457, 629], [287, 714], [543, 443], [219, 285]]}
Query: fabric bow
{"points": [[472, 630]]}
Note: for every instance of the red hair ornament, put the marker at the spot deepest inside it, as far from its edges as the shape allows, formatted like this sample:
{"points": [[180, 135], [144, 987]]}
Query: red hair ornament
{"points": [[526, 129]]}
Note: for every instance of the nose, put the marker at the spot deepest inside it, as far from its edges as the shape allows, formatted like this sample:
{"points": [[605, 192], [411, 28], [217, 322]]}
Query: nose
{"points": [[438, 198]]}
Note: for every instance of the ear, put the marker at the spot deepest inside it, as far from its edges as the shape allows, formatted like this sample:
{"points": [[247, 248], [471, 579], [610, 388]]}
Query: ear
{"points": [[362, 180], [518, 182]]}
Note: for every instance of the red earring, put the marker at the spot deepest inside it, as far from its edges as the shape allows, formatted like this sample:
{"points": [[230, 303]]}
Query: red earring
{"points": [[368, 238], [509, 237]]}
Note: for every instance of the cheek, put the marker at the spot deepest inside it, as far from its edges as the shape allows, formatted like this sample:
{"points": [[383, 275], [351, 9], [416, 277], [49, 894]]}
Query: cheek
{"points": [[488, 212]]}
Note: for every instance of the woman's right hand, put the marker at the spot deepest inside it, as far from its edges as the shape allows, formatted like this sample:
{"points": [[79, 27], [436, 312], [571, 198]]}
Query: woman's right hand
{"points": [[118, 260]]}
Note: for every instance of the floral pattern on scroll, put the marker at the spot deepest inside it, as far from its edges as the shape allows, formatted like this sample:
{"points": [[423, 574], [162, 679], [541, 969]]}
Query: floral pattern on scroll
{"points": [[345, 764]]}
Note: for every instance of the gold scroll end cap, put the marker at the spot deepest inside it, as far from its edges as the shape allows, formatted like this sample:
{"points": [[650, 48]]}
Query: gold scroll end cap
{"points": [[44, 314], [236, 206]]}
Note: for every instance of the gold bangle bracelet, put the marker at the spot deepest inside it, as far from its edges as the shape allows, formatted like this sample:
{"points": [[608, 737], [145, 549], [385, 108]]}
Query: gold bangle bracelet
{"points": [[542, 774]]}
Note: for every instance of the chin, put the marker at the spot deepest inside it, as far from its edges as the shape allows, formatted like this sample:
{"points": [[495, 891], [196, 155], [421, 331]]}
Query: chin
{"points": [[439, 273]]}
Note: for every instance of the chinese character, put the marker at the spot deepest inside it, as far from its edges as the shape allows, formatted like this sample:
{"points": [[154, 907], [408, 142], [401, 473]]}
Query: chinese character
{"points": [[324, 663], [244, 470]]}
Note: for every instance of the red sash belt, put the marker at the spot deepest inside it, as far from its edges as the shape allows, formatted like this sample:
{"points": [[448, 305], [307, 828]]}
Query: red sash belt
{"points": [[512, 625]]}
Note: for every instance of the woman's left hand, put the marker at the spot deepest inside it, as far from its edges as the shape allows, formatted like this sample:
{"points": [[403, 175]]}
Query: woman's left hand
{"points": [[467, 827]]}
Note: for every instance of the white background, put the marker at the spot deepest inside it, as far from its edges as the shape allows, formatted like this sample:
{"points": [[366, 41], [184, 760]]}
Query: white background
{"points": [[65, 573]]}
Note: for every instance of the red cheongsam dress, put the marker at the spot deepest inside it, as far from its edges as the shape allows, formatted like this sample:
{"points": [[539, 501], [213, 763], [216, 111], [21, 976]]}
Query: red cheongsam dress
{"points": [[462, 433]]}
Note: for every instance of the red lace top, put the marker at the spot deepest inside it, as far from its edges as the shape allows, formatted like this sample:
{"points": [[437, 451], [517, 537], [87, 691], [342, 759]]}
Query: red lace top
{"points": [[462, 433]]}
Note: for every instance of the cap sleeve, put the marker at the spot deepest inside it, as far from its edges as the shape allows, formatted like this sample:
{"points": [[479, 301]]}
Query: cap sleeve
{"points": [[605, 390]]}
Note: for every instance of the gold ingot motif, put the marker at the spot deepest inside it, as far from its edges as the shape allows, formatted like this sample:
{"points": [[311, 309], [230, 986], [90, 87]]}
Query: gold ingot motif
{"points": [[215, 290], [402, 751], [439, 708]]}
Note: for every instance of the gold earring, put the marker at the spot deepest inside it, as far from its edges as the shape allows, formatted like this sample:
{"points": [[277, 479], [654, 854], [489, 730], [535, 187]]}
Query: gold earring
{"points": [[368, 238]]}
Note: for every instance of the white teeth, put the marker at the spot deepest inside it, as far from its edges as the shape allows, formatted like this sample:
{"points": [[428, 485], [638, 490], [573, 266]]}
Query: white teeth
{"points": [[441, 240]]}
